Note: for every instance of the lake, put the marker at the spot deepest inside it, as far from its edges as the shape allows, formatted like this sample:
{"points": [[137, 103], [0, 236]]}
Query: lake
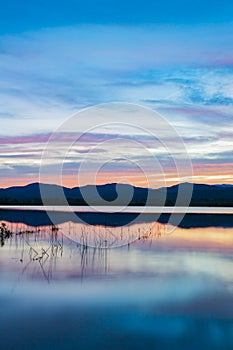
{"points": [[116, 281]]}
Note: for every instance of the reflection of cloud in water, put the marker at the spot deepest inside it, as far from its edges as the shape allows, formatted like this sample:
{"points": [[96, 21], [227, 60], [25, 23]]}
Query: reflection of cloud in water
{"points": [[178, 285], [43, 246], [77, 250]]}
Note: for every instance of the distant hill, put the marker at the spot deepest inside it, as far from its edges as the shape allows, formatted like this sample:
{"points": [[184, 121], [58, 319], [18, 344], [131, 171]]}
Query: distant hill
{"points": [[203, 195]]}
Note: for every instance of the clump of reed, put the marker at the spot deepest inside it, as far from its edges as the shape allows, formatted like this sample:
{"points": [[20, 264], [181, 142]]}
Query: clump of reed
{"points": [[5, 233]]}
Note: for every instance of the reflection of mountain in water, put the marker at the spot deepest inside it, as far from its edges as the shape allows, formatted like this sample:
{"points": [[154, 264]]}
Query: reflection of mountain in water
{"points": [[39, 249], [41, 218]]}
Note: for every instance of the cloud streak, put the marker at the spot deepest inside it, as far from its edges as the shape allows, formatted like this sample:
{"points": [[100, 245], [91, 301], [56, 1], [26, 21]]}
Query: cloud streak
{"points": [[185, 72]]}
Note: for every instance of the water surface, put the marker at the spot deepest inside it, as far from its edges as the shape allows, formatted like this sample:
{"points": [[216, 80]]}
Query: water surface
{"points": [[158, 291]]}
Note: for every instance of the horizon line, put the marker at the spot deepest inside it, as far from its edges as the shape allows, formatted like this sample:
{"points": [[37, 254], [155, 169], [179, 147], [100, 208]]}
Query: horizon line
{"points": [[115, 183]]}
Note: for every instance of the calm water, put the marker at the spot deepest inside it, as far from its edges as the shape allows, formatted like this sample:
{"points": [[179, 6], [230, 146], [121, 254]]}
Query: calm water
{"points": [[153, 291]]}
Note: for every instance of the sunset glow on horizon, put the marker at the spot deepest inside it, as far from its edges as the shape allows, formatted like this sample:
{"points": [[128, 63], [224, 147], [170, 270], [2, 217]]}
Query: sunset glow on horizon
{"points": [[212, 178], [179, 65]]}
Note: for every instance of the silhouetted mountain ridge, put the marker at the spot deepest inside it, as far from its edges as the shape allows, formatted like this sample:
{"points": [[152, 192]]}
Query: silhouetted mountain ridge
{"points": [[117, 194]]}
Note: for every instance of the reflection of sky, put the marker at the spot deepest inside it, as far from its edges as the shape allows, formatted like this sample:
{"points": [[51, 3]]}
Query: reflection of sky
{"points": [[178, 285], [185, 252], [58, 58]]}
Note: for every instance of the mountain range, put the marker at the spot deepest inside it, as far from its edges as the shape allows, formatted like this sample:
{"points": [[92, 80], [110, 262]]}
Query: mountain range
{"points": [[118, 194]]}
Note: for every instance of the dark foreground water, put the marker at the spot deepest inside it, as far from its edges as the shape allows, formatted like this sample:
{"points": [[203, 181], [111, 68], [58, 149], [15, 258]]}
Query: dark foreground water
{"points": [[157, 291]]}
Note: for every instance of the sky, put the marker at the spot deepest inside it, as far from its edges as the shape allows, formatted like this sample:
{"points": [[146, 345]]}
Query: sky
{"points": [[59, 57]]}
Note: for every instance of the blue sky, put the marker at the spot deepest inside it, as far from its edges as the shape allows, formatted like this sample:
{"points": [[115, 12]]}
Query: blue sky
{"points": [[18, 16], [175, 57]]}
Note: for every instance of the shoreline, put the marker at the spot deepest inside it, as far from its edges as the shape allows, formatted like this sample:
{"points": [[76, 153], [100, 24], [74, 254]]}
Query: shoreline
{"points": [[119, 209]]}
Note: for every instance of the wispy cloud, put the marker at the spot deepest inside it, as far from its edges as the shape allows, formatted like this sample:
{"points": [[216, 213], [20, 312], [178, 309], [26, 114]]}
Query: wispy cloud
{"points": [[185, 72]]}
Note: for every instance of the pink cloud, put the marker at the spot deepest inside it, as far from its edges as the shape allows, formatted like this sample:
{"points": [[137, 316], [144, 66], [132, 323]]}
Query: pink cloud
{"points": [[13, 140]]}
